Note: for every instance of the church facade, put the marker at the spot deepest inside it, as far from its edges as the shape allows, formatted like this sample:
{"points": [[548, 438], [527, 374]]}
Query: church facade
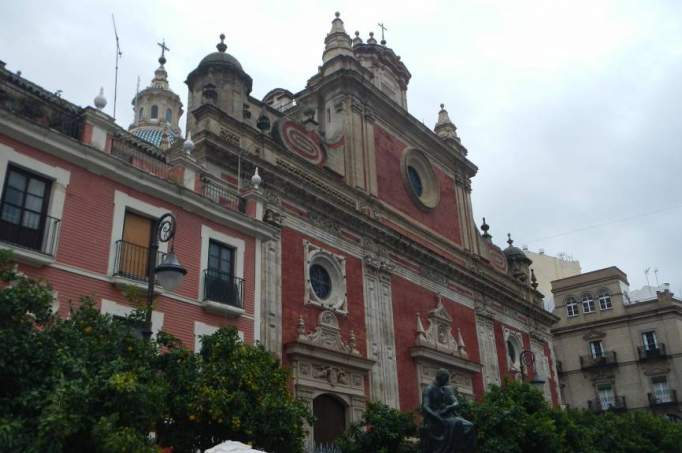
{"points": [[363, 267]]}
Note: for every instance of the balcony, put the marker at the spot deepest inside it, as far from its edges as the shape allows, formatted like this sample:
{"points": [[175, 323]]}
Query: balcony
{"points": [[221, 194], [663, 398], [131, 261], [617, 404], [652, 352], [223, 293], [33, 245], [605, 360]]}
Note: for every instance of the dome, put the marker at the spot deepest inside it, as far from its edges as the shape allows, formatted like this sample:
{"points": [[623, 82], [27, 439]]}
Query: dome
{"points": [[514, 253], [220, 58], [153, 135]]}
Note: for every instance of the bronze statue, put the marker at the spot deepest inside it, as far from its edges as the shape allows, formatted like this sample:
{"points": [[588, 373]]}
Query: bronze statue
{"points": [[444, 431]]}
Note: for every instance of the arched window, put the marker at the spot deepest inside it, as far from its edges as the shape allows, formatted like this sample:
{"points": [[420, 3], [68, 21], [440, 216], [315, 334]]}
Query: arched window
{"points": [[605, 300], [588, 303], [169, 115], [139, 118], [571, 307], [155, 112]]}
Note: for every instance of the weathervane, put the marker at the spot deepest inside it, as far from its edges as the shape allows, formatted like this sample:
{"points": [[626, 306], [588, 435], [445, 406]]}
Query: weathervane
{"points": [[383, 29], [162, 44]]}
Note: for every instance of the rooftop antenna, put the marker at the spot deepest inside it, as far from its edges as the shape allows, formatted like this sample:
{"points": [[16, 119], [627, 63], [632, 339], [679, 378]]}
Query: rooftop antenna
{"points": [[656, 275], [118, 55], [646, 275], [137, 94]]}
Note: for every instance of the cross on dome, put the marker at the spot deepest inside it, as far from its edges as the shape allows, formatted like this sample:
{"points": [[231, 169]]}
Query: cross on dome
{"points": [[164, 48]]}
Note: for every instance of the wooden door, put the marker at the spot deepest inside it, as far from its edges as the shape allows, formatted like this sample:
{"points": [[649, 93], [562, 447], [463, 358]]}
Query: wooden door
{"points": [[133, 250]]}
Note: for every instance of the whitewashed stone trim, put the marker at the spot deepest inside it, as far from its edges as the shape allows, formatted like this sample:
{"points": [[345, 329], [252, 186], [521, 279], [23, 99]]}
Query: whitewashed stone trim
{"points": [[115, 309]]}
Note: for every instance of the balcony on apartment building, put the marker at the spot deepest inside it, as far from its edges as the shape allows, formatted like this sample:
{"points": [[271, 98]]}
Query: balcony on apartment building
{"points": [[616, 404], [652, 352], [663, 398], [32, 237], [223, 288], [131, 261], [604, 360]]}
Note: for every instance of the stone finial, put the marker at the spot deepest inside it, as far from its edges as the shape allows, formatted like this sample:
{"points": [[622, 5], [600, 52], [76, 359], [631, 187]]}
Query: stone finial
{"points": [[300, 327], [100, 100], [510, 241], [533, 280], [256, 179], [371, 39], [221, 46], [165, 138], [445, 128], [357, 40], [188, 145], [485, 227], [337, 41]]}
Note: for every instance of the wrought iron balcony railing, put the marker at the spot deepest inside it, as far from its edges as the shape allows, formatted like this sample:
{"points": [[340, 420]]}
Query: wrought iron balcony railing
{"points": [[652, 352], [663, 398], [606, 359], [42, 239], [131, 261], [221, 195], [223, 288], [614, 404]]}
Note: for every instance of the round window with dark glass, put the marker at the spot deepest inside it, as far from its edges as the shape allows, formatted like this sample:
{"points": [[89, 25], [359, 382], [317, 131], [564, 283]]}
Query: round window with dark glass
{"points": [[320, 281], [415, 181]]}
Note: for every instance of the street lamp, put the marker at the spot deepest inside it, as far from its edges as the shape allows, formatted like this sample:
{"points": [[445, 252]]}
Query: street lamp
{"points": [[527, 359], [169, 273]]}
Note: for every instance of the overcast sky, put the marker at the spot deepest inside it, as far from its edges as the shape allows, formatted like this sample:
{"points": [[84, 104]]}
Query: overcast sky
{"points": [[571, 110]]}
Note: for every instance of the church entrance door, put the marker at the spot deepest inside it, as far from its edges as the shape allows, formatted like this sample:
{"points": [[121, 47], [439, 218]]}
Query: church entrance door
{"points": [[330, 419]]}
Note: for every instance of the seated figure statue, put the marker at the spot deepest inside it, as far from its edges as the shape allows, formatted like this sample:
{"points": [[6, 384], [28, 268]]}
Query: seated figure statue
{"points": [[444, 431]]}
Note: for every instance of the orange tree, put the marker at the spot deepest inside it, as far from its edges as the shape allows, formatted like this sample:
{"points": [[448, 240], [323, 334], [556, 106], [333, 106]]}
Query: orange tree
{"points": [[89, 383]]}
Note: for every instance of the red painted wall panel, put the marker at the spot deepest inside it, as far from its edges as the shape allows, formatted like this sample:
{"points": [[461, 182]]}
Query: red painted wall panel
{"points": [[408, 300], [443, 219]]}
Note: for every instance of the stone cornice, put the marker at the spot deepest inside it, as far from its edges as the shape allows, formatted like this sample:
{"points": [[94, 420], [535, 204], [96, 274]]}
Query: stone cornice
{"points": [[622, 319], [297, 350], [441, 358]]}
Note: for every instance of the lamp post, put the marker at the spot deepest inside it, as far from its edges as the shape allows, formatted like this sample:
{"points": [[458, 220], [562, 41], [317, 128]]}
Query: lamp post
{"points": [[527, 359], [169, 273]]}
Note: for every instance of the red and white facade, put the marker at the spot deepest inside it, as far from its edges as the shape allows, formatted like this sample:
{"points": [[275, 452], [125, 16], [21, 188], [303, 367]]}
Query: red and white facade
{"points": [[363, 268]]}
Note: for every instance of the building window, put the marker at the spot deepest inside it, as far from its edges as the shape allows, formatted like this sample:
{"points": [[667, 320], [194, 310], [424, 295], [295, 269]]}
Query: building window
{"points": [[571, 307], [141, 113], [325, 278], [588, 303], [649, 341], [420, 179], [607, 397], [169, 115], [155, 112], [23, 211], [220, 283], [597, 349], [511, 352], [133, 248], [661, 391], [605, 300]]}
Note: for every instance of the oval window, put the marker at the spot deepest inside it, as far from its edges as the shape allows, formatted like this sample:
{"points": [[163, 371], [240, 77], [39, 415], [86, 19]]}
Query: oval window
{"points": [[320, 281], [415, 181]]}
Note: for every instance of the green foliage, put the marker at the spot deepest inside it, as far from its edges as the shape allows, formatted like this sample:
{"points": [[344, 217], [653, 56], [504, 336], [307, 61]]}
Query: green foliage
{"points": [[382, 430], [89, 383]]}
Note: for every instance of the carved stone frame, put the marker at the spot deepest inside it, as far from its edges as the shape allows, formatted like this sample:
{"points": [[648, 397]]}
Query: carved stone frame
{"points": [[336, 267]]}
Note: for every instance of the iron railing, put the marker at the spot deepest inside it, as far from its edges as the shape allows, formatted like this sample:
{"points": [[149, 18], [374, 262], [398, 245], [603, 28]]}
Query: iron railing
{"points": [[615, 404], [131, 261], [223, 288], [652, 352], [606, 359], [42, 239], [129, 153], [221, 195], [663, 398]]}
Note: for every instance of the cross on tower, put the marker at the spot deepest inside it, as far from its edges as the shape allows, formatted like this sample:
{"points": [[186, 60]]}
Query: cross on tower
{"points": [[383, 29], [162, 44]]}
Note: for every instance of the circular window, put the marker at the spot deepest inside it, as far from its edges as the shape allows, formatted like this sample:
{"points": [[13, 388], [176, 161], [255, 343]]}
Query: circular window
{"points": [[420, 179], [415, 181], [320, 281]]}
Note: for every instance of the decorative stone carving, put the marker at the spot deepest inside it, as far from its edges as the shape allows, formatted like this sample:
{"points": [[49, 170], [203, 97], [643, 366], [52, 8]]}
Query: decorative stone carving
{"points": [[333, 375], [273, 217], [335, 266], [439, 333], [323, 222], [327, 334], [229, 136], [486, 342], [594, 335], [434, 276]]}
